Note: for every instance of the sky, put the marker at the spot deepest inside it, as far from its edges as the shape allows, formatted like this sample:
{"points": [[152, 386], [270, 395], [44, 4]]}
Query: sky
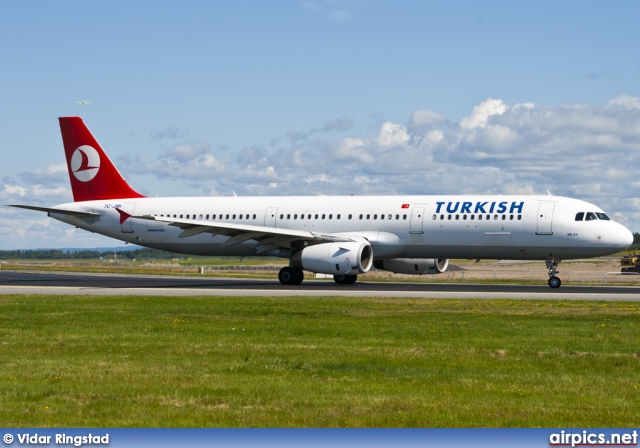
{"points": [[310, 97]]}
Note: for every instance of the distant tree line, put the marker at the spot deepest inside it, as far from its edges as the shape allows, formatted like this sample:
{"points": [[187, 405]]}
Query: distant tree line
{"points": [[59, 254]]}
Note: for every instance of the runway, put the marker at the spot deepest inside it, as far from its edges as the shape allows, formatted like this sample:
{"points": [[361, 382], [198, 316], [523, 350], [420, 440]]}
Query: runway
{"points": [[32, 282]]}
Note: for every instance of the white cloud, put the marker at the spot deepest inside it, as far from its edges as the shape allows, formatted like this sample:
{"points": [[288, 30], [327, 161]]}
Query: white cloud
{"points": [[184, 161], [626, 102], [15, 190], [51, 174], [482, 113], [422, 118], [42, 191], [392, 134], [188, 152], [329, 9]]}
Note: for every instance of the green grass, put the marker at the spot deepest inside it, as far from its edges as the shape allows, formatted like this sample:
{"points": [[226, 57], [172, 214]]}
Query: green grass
{"points": [[87, 361]]}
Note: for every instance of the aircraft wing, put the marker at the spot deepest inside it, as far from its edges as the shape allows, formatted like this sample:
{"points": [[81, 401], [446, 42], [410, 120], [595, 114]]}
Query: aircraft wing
{"points": [[59, 211], [269, 238]]}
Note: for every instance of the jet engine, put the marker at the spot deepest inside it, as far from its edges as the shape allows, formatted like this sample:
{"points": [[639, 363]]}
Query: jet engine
{"points": [[415, 266], [354, 257]]}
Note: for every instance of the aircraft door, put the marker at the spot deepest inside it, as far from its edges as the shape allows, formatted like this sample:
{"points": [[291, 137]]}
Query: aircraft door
{"points": [[270, 217], [416, 226], [545, 218], [127, 224]]}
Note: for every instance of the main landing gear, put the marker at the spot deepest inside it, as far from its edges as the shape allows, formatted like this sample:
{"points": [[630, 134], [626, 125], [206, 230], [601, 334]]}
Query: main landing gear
{"points": [[552, 265], [292, 276], [345, 279]]}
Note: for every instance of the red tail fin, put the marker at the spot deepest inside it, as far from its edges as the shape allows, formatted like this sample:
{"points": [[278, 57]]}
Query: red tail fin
{"points": [[93, 176]]}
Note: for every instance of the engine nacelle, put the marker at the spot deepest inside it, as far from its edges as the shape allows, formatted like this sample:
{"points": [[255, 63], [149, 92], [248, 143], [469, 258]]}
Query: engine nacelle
{"points": [[354, 257], [415, 266]]}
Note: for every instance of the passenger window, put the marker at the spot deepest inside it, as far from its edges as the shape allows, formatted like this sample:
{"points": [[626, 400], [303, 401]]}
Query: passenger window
{"points": [[281, 216], [316, 216], [457, 217], [330, 216], [323, 215], [360, 216], [368, 216], [519, 217], [350, 216], [254, 216], [338, 217], [404, 217], [397, 217], [591, 217], [288, 216], [580, 216], [473, 217], [381, 216], [434, 217], [375, 216]]}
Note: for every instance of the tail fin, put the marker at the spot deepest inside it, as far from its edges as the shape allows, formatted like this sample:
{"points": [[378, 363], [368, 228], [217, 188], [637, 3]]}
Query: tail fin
{"points": [[93, 176]]}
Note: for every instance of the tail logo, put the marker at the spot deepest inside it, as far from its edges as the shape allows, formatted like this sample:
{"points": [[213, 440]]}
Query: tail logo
{"points": [[85, 163]]}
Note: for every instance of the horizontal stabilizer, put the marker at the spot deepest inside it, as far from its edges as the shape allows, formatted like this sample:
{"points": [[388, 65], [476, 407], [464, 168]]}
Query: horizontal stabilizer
{"points": [[57, 211]]}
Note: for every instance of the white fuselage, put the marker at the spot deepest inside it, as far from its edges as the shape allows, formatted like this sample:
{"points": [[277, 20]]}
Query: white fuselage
{"points": [[495, 227]]}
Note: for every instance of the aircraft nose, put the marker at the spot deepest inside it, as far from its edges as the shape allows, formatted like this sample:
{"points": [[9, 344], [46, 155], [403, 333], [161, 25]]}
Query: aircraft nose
{"points": [[623, 237]]}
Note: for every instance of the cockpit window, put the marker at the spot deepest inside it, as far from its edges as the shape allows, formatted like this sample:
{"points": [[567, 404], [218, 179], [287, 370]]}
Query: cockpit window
{"points": [[580, 216], [603, 216], [591, 216]]}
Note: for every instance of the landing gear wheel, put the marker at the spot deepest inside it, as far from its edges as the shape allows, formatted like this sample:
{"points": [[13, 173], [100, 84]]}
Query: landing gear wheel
{"points": [[345, 279], [552, 266], [290, 276]]}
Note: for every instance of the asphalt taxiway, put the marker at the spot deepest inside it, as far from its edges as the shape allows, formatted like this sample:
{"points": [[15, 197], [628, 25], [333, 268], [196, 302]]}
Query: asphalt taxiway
{"points": [[33, 282]]}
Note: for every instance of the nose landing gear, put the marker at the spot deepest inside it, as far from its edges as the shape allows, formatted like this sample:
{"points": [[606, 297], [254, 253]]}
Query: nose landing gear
{"points": [[552, 266]]}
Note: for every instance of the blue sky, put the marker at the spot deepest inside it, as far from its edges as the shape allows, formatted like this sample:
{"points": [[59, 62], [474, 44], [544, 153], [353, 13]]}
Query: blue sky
{"points": [[321, 97]]}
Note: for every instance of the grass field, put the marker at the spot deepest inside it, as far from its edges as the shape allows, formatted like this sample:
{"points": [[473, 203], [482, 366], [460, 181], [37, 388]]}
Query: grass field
{"points": [[87, 361]]}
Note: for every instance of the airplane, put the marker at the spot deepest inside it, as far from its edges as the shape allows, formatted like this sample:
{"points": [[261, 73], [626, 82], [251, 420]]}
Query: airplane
{"points": [[83, 102], [343, 236]]}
